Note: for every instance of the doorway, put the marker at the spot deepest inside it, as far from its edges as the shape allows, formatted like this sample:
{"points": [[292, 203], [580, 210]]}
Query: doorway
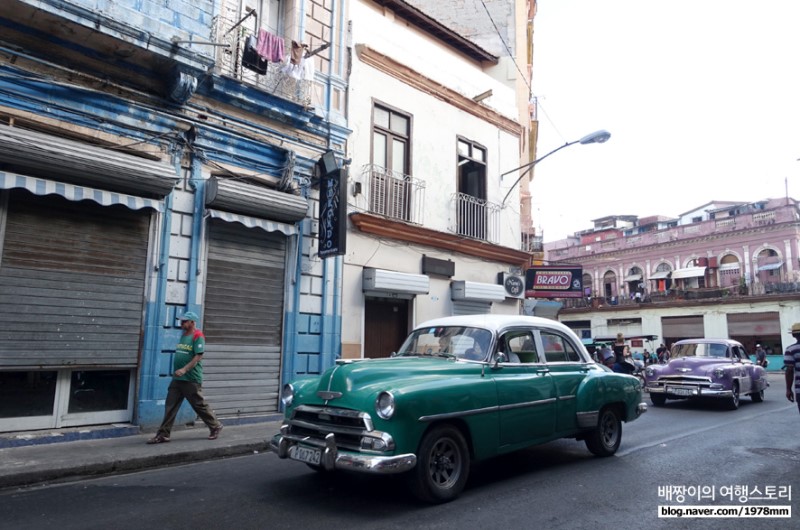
{"points": [[385, 326]]}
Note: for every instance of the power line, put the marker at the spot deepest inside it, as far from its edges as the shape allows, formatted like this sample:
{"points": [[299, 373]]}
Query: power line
{"points": [[511, 55]]}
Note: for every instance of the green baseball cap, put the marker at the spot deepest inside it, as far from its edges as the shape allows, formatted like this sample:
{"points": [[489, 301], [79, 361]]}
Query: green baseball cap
{"points": [[189, 315]]}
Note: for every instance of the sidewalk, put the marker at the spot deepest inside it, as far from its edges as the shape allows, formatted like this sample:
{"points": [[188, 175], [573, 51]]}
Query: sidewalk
{"points": [[51, 459]]}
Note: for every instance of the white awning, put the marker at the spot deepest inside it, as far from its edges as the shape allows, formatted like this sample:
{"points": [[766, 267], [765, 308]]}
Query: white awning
{"points": [[253, 222], [633, 278], [729, 266], [72, 192], [770, 266], [689, 272], [660, 275], [381, 280]]}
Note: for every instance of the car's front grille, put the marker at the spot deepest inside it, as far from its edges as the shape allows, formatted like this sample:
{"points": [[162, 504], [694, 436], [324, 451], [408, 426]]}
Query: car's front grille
{"points": [[684, 380], [317, 422]]}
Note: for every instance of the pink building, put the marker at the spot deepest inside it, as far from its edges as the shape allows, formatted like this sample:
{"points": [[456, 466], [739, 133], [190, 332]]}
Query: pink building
{"points": [[723, 269]]}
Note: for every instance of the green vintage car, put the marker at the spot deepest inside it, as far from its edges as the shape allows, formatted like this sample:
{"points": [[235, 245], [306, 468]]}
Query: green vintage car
{"points": [[459, 390]]}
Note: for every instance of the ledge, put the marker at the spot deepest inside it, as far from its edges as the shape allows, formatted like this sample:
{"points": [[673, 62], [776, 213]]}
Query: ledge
{"points": [[373, 224]]}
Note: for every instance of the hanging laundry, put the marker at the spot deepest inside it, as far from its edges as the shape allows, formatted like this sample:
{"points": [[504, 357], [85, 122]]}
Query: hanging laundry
{"points": [[251, 59], [298, 52], [270, 47]]}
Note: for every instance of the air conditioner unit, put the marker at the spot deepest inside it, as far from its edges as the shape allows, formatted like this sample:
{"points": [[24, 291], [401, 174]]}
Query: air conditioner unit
{"points": [[394, 282], [486, 292]]}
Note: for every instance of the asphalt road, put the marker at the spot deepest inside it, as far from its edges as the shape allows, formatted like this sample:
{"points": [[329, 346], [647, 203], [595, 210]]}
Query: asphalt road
{"points": [[554, 486]]}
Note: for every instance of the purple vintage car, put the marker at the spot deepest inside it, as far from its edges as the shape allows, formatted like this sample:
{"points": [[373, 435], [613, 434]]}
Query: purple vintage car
{"points": [[706, 368]]}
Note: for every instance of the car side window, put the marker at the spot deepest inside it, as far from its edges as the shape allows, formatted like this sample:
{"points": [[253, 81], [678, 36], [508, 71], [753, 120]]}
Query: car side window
{"points": [[557, 349], [718, 350], [520, 345]]}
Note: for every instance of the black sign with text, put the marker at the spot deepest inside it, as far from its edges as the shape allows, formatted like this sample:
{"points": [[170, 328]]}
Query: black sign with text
{"points": [[333, 213]]}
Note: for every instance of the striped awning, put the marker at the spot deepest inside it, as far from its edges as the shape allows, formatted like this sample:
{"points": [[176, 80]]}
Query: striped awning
{"points": [[253, 222], [72, 192]]}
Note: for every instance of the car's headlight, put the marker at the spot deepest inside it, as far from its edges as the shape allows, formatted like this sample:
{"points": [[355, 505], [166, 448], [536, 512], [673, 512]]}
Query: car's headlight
{"points": [[649, 372], [384, 405], [718, 373], [287, 395]]}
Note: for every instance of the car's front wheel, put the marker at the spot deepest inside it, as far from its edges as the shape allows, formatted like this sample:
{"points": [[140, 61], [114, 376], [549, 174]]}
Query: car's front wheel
{"points": [[658, 400], [757, 397], [604, 439], [443, 464], [733, 401]]}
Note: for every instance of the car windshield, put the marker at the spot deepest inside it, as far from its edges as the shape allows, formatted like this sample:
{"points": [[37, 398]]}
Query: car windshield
{"points": [[448, 341], [702, 349]]}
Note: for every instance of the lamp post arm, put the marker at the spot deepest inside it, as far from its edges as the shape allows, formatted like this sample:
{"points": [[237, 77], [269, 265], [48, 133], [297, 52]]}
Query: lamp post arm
{"points": [[528, 167]]}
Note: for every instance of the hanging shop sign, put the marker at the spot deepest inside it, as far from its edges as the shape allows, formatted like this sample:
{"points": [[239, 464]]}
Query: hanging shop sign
{"points": [[551, 281], [333, 213]]}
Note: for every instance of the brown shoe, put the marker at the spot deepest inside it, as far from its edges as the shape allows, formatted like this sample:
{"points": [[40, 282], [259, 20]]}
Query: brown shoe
{"points": [[158, 439], [215, 432]]}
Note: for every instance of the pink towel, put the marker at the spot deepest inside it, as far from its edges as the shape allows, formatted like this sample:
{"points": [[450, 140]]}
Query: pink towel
{"points": [[269, 47]]}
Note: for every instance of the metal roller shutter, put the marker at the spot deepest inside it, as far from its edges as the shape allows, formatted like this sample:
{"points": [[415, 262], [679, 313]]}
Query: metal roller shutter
{"points": [[688, 327], [72, 278], [471, 307], [243, 318]]}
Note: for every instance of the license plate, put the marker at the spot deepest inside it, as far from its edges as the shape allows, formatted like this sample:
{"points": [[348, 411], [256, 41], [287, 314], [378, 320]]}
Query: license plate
{"points": [[306, 454], [680, 391]]}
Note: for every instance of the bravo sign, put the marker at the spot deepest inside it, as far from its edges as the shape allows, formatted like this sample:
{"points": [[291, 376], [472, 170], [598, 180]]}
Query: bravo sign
{"points": [[550, 281]]}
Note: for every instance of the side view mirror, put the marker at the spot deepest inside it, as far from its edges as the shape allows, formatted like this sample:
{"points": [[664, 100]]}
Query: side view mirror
{"points": [[500, 358]]}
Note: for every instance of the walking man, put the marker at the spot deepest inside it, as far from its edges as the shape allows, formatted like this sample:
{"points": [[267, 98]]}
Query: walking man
{"points": [[761, 356], [187, 381], [791, 359]]}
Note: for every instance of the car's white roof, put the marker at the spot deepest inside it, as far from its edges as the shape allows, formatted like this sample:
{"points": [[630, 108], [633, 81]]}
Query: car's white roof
{"points": [[494, 322]]}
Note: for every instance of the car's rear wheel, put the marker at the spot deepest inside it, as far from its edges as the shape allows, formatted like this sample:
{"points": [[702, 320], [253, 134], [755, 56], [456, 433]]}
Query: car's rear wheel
{"points": [[733, 401], [757, 397], [658, 400], [604, 439], [443, 464]]}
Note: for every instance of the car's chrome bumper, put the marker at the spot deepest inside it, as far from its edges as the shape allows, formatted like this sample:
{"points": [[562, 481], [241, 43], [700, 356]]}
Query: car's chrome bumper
{"points": [[333, 458], [641, 408], [693, 392]]}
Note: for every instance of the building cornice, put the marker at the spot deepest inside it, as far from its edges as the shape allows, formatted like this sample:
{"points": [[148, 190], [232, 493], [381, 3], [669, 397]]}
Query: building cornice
{"points": [[381, 226], [618, 254], [414, 79]]}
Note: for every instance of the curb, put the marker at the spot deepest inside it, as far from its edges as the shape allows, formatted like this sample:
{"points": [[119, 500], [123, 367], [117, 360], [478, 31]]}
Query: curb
{"points": [[128, 465]]}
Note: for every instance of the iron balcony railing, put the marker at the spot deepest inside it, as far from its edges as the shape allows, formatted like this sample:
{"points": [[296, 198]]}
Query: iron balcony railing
{"points": [[475, 218], [532, 243], [277, 79], [393, 194]]}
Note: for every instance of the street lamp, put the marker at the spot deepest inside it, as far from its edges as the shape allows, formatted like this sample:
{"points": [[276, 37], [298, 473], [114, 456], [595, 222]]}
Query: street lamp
{"points": [[597, 137]]}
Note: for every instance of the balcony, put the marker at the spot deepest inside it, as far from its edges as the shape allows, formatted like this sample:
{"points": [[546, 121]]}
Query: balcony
{"points": [[475, 218], [232, 36], [532, 243], [394, 195]]}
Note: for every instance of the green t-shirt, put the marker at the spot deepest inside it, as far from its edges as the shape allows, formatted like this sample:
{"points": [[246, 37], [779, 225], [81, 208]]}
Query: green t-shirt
{"points": [[187, 348]]}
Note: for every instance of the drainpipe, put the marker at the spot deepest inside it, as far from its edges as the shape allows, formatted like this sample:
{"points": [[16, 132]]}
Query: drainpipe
{"points": [[198, 185]]}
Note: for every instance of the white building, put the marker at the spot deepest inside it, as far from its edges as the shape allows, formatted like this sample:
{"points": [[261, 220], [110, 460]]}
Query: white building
{"points": [[433, 130]]}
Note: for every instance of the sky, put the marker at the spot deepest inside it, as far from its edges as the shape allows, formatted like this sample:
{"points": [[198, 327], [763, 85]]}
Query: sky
{"points": [[700, 98]]}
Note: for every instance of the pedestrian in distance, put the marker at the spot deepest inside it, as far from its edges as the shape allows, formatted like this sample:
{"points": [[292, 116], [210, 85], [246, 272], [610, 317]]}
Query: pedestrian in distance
{"points": [[608, 358], [761, 356], [187, 382], [791, 361]]}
